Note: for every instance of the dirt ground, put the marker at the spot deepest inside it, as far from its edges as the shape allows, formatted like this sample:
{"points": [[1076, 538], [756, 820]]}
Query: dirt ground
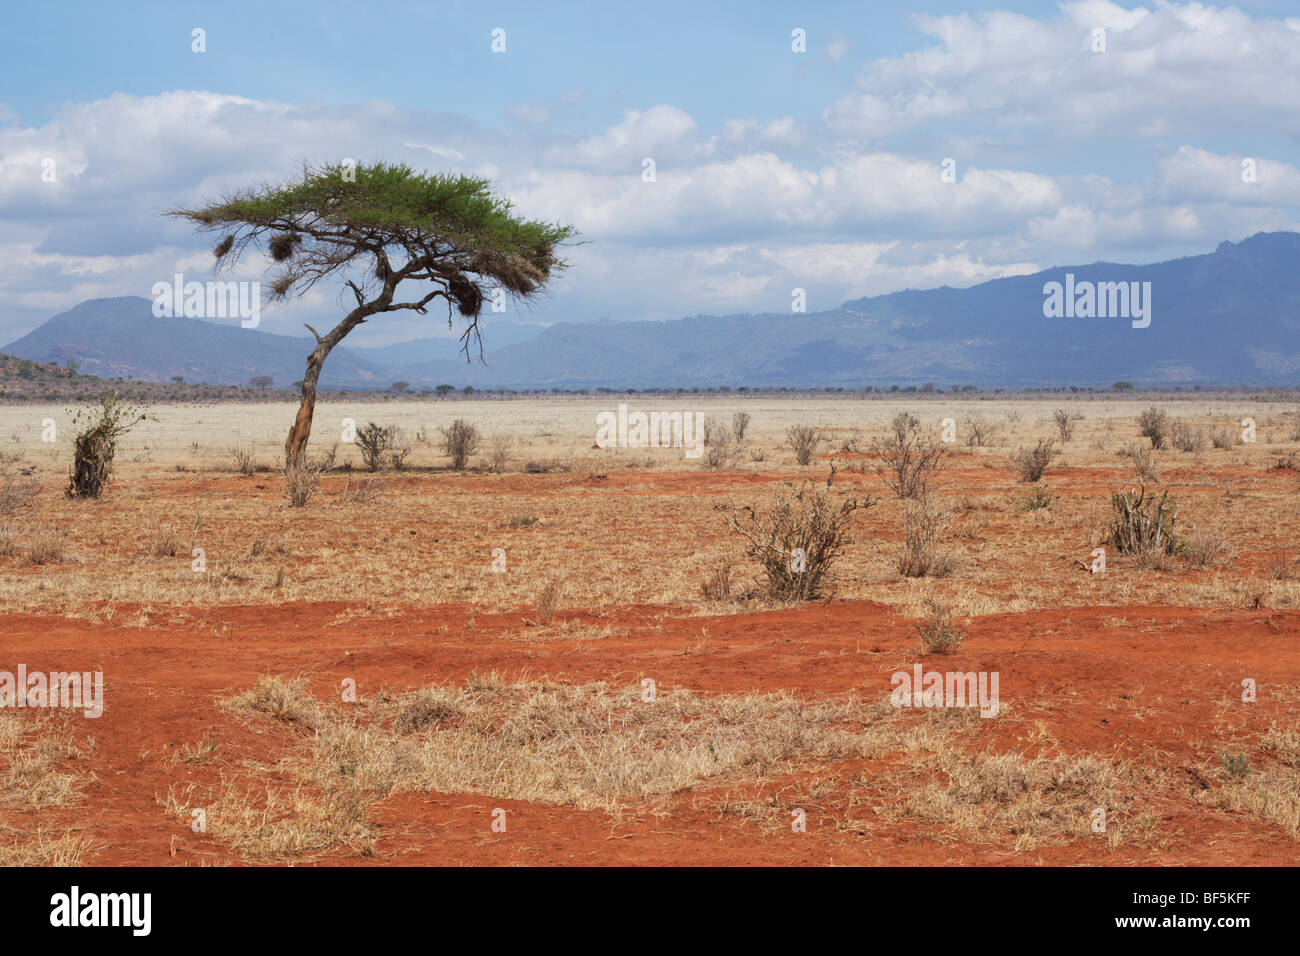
{"points": [[1164, 697]]}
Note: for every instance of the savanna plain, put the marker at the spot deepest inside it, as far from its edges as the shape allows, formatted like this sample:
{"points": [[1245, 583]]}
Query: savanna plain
{"points": [[568, 654]]}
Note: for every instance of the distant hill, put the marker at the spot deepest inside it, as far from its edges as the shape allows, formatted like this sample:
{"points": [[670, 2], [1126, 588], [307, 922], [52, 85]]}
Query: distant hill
{"points": [[121, 337], [1228, 317]]}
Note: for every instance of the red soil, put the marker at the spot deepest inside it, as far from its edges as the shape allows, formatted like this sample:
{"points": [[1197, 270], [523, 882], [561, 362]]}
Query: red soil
{"points": [[1147, 684]]}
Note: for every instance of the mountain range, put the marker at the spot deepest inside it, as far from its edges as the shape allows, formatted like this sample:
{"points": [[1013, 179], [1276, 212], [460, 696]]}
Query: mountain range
{"points": [[1228, 317]]}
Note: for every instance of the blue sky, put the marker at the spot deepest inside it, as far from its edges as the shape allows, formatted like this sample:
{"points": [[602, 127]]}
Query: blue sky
{"points": [[775, 169]]}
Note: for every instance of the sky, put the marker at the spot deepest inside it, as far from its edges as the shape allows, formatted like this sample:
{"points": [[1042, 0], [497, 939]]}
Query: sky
{"points": [[904, 146]]}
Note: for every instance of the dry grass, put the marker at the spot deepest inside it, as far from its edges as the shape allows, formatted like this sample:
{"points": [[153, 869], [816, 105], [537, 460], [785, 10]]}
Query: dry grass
{"points": [[32, 753]]}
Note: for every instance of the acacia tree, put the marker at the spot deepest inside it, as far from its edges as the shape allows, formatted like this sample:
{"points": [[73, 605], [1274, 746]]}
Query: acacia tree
{"points": [[374, 227]]}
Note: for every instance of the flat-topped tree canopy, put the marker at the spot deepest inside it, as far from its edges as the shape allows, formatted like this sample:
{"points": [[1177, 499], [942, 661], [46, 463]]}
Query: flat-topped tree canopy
{"points": [[375, 226]]}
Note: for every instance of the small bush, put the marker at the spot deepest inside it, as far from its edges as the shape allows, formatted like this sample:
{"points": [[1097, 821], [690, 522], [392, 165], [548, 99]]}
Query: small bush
{"points": [[717, 584], [1154, 424], [798, 541], [245, 463], [1141, 525], [724, 452], [362, 492], [1142, 460], [1236, 766], [904, 460], [375, 441], [301, 481], [739, 424], [803, 441], [460, 440], [1040, 499], [1223, 438], [923, 526], [979, 433], [96, 444], [548, 602], [1064, 424], [1032, 462], [1203, 548], [48, 547], [937, 632], [1186, 438], [498, 454]]}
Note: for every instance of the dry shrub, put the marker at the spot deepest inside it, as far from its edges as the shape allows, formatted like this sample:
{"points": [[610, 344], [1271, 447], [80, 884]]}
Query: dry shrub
{"points": [[979, 433], [1154, 424], [1223, 438], [362, 492], [717, 584], [498, 454], [803, 440], [48, 546], [724, 451], [739, 424], [1064, 424], [8, 540], [1204, 548], [548, 601], [905, 461], [923, 526], [376, 443], [1142, 461], [17, 491], [160, 541], [301, 481], [937, 632], [1142, 526], [1032, 462], [460, 439], [245, 462], [95, 445], [798, 541], [1186, 438]]}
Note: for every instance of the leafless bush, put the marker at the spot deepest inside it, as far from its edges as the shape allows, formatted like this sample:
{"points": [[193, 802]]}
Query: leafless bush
{"points": [[548, 601], [8, 539], [798, 541], [739, 424], [803, 441], [904, 460], [1142, 460], [245, 461], [1154, 424], [301, 481], [161, 541], [1223, 438], [1204, 548], [1141, 525], [717, 585], [724, 452], [362, 492], [979, 433], [923, 526], [17, 491], [498, 455], [1064, 424], [1184, 437], [460, 440], [1032, 462]]}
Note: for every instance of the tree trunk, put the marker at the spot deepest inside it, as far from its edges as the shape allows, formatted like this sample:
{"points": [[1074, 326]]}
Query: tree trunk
{"points": [[295, 446]]}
